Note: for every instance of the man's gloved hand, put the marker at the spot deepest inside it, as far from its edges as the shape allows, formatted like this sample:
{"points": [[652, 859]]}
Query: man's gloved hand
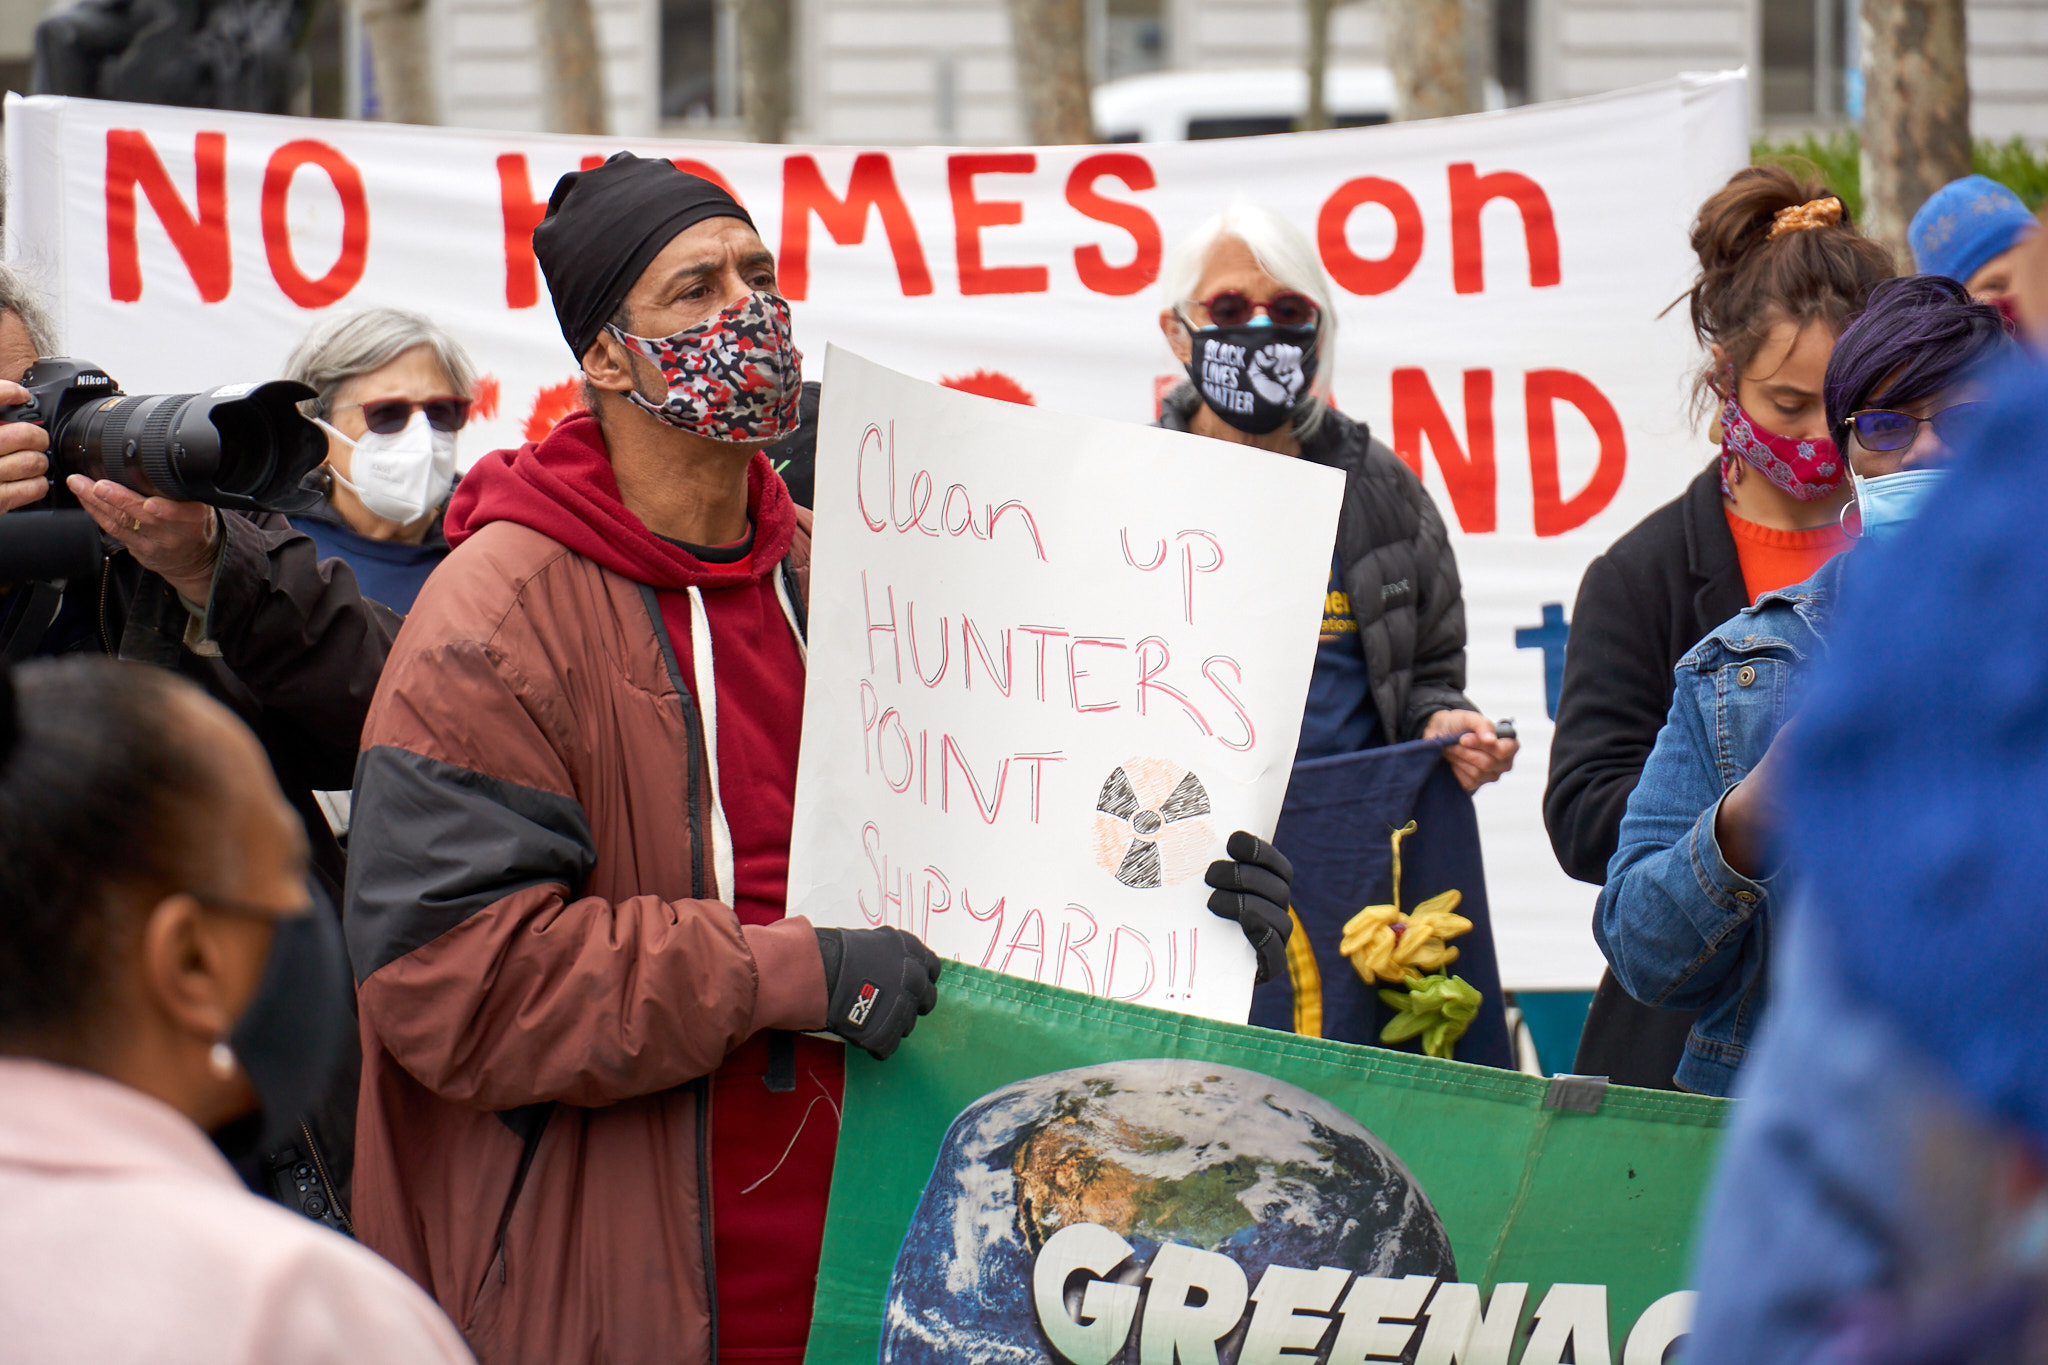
{"points": [[1255, 888], [877, 983]]}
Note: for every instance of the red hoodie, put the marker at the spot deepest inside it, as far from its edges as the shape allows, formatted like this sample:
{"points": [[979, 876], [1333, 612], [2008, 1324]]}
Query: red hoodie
{"points": [[771, 1152]]}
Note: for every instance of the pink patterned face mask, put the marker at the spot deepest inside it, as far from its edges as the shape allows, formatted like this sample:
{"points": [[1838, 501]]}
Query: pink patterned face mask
{"points": [[736, 377], [1809, 470]]}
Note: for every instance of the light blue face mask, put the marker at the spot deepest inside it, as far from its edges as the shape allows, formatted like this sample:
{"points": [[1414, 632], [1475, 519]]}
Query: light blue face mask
{"points": [[1887, 502]]}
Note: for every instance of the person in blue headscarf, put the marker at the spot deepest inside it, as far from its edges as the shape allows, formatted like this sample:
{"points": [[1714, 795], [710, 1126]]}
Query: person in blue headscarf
{"points": [[1685, 916], [1883, 1193], [1970, 230]]}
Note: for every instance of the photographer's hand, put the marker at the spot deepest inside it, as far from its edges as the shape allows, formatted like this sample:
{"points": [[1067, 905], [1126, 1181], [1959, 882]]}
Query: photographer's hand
{"points": [[23, 462], [179, 542]]}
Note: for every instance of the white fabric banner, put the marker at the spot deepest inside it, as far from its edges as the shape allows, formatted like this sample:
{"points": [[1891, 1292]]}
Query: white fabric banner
{"points": [[1500, 281], [1142, 620]]}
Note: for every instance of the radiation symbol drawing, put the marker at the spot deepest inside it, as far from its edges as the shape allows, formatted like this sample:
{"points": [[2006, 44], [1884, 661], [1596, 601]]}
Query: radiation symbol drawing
{"points": [[1149, 829]]}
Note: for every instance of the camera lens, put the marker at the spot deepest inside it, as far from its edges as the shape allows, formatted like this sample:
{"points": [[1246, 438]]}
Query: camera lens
{"points": [[240, 445]]}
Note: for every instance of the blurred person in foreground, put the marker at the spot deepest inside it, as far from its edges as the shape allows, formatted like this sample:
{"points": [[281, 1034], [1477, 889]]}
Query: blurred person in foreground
{"points": [[1781, 268], [1883, 1194], [1971, 230], [588, 1123], [1248, 313], [392, 391], [163, 976], [1687, 913]]}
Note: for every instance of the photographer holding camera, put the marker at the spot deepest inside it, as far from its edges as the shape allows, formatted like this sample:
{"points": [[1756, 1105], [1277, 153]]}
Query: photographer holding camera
{"points": [[234, 600], [177, 541], [237, 601]]}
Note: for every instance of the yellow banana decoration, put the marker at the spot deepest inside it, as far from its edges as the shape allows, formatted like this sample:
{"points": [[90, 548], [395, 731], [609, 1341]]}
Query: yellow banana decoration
{"points": [[1385, 945]]}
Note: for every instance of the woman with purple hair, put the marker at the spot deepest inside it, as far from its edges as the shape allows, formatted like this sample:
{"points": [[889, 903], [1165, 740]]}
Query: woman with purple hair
{"points": [[1684, 918]]}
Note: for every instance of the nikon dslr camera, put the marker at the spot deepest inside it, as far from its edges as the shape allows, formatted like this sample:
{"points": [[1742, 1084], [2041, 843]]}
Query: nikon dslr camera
{"points": [[240, 446]]}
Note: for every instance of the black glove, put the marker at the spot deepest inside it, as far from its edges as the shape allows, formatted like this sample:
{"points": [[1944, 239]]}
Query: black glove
{"points": [[1255, 889], [877, 983]]}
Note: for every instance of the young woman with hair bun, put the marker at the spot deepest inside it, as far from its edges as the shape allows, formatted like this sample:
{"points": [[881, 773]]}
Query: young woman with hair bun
{"points": [[1781, 269]]}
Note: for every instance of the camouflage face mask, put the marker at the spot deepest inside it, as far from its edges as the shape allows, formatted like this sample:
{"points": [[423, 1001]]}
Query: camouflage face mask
{"points": [[733, 378]]}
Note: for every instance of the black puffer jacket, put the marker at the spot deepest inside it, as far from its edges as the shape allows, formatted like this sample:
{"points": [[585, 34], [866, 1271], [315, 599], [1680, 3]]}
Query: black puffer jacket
{"points": [[1398, 570]]}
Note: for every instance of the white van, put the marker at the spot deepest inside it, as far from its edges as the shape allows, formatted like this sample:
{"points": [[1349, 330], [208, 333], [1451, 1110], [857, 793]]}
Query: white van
{"points": [[1179, 106]]}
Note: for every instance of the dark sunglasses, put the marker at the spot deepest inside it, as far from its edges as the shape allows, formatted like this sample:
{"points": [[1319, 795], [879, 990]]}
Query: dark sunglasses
{"points": [[1233, 308], [388, 416], [1885, 429]]}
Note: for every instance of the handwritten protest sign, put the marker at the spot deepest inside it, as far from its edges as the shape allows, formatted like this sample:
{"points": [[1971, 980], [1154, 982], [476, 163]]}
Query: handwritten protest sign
{"points": [[1054, 662]]}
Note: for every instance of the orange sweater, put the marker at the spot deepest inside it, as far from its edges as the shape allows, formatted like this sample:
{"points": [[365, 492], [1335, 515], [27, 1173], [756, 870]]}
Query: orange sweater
{"points": [[1772, 558]]}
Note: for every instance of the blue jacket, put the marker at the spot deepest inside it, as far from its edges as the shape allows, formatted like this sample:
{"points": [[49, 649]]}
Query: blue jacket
{"points": [[1819, 1222], [1678, 925]]}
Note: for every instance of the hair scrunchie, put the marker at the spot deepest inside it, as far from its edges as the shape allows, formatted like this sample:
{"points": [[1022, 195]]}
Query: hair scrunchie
{"points": [[1814, 213]]}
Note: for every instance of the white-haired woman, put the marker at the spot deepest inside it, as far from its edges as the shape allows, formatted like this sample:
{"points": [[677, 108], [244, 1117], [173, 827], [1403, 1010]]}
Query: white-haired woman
{"points": [[1248, 314], [392, 390]]}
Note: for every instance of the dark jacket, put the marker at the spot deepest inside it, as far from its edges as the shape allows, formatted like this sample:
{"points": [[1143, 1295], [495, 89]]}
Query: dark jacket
{"points": [[289, 644], [1653, 596], [1641, 606], [795, 456], [1398, 568]]}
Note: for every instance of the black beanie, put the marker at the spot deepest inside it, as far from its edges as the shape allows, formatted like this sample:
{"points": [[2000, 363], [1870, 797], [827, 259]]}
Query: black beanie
{"points": [[604, 225]]}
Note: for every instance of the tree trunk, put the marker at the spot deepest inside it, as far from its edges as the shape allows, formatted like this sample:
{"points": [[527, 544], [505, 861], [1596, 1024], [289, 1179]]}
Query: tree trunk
{"points": [[1050, 38], [764, 69], [571, 72], [1916, 111], [1317, 114], [1426, 49], [400, 55]]}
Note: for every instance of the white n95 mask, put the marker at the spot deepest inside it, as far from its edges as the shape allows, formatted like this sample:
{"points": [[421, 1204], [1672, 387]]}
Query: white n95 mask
{"points": [[403, 476]]}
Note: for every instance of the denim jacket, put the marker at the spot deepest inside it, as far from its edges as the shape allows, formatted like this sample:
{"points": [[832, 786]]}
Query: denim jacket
{"points": [[1678, 925]]}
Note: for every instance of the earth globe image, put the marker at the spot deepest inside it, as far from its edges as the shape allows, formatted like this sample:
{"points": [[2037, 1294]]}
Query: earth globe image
{"points": [[1157, 1152]]}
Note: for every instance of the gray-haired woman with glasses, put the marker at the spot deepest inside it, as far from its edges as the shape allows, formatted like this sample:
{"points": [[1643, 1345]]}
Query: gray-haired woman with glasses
{"points": [[392, 390]]}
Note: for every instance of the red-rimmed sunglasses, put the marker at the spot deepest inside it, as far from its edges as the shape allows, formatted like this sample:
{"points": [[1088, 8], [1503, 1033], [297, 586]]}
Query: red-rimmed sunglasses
{"points": [[388, 416], [1234, 308]]}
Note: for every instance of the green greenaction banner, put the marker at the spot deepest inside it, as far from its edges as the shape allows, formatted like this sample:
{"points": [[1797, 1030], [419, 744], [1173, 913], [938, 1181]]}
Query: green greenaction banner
{"points": [[1043, 1176]]}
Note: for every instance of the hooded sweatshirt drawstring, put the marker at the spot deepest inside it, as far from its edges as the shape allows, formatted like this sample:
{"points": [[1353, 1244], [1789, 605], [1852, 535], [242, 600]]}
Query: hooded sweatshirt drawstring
{"points": [[706, 679], [803, 648]]}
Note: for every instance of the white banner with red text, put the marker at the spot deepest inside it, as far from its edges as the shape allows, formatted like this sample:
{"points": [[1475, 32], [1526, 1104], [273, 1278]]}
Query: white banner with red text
{"points": [[1501, 282]]}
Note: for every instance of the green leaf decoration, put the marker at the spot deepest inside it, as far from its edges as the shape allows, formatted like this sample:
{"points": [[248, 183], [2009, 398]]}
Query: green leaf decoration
{"points": [[1438, 1008]]}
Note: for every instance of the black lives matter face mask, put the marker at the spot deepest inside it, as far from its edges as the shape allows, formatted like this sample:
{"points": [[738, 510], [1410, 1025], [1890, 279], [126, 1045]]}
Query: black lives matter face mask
{"points": [[1252, 376]]}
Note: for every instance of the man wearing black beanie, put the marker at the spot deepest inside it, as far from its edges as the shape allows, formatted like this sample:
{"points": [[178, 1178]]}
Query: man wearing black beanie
{"points": [[589, 1124]]}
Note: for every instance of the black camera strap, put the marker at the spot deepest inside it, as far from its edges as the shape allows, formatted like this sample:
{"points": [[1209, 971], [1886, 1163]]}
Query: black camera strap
{"points": [[31, 607]]}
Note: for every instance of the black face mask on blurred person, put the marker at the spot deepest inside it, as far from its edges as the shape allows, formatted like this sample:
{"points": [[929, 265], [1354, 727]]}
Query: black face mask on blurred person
{"points": [[1252, 376], [291, 1036]]}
